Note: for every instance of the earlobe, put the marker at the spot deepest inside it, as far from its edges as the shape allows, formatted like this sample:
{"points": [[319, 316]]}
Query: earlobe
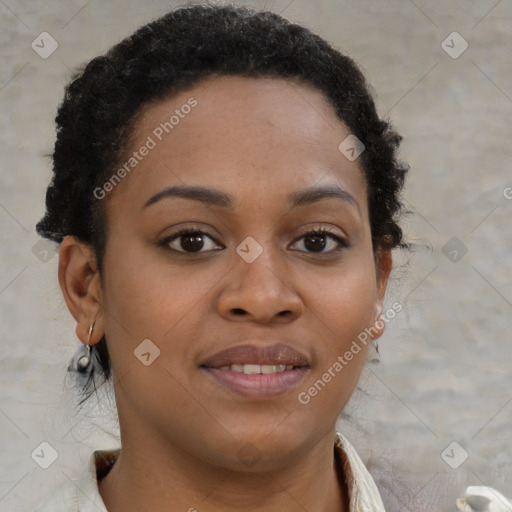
{"points": [[80, 283]]}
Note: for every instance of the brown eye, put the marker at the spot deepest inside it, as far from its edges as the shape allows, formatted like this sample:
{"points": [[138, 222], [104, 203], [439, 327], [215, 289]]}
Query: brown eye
{"points": [[316, 241], [192, 241]]}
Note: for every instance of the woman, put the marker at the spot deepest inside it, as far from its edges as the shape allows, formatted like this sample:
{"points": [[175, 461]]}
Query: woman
{"points": [[226, 199]]}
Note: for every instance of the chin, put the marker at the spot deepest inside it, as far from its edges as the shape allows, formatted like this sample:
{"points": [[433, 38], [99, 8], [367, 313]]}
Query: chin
{"points": [[259, 448]]}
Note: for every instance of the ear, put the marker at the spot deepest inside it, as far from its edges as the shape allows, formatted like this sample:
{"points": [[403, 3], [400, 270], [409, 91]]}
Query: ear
{"points": [[383, 264], [80, 283]]}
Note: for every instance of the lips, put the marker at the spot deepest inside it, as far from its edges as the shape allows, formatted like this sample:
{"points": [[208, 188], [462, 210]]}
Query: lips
{"points": [[257, 372]]}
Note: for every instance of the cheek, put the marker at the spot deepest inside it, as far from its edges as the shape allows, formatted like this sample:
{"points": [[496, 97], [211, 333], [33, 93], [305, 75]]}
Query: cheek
{"points": [[342, 310], [343, 300], [352, 307], [146, 298]]}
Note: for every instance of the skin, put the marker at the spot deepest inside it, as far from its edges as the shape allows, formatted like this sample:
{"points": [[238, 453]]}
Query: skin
{"points": [[259, 140]]}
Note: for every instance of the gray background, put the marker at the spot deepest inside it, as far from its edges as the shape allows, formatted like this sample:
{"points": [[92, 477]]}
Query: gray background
{"points": [[445, 372]]}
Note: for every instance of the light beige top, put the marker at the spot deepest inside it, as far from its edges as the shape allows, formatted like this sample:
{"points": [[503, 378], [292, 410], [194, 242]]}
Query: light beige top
{"points": [[82, 495]]}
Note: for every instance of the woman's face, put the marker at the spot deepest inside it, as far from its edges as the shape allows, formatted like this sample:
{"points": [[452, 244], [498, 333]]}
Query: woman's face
{"points": [[182, 316]]}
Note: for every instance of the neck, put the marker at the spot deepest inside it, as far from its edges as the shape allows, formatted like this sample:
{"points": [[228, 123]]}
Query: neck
{"points": [[166, 480]]}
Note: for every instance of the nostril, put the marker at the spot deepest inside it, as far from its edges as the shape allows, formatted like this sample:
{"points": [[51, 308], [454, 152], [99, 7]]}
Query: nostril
{"points": [[238, 311]]}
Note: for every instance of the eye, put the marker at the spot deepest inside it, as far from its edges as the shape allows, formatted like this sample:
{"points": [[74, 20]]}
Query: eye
{"points": [[192, 241], [316, 240]]}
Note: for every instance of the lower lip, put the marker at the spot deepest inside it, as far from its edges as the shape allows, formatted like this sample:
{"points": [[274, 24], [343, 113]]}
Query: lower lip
{"points": [[261, 386]]}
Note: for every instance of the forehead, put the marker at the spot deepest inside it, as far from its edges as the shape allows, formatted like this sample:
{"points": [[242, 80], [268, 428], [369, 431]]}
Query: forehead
{"points": [[253, 137]]}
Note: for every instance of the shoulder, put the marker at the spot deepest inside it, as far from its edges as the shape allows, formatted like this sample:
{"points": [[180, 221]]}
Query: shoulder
{"points": [[63, 499], [364, 495], [82, 494]]}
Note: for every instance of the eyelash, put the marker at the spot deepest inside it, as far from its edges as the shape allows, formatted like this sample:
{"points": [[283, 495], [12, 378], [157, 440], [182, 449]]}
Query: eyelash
{"points": [[194, 231]]}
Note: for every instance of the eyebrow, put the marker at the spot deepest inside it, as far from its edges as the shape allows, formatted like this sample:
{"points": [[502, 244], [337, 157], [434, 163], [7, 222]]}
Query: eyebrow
{"points": [[221, 199]]}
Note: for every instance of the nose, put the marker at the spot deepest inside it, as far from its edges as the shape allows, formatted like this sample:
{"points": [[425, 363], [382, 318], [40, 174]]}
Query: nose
{"points": [[261, 292]]}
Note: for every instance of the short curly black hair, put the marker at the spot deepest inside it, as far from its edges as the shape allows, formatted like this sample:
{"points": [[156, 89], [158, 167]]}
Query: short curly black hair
{"points": [[173, 53]]}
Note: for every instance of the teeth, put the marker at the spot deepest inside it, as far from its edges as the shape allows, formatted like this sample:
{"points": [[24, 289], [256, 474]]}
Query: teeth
{"points": [[252, 369], [269, 368], [255, 369]]}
